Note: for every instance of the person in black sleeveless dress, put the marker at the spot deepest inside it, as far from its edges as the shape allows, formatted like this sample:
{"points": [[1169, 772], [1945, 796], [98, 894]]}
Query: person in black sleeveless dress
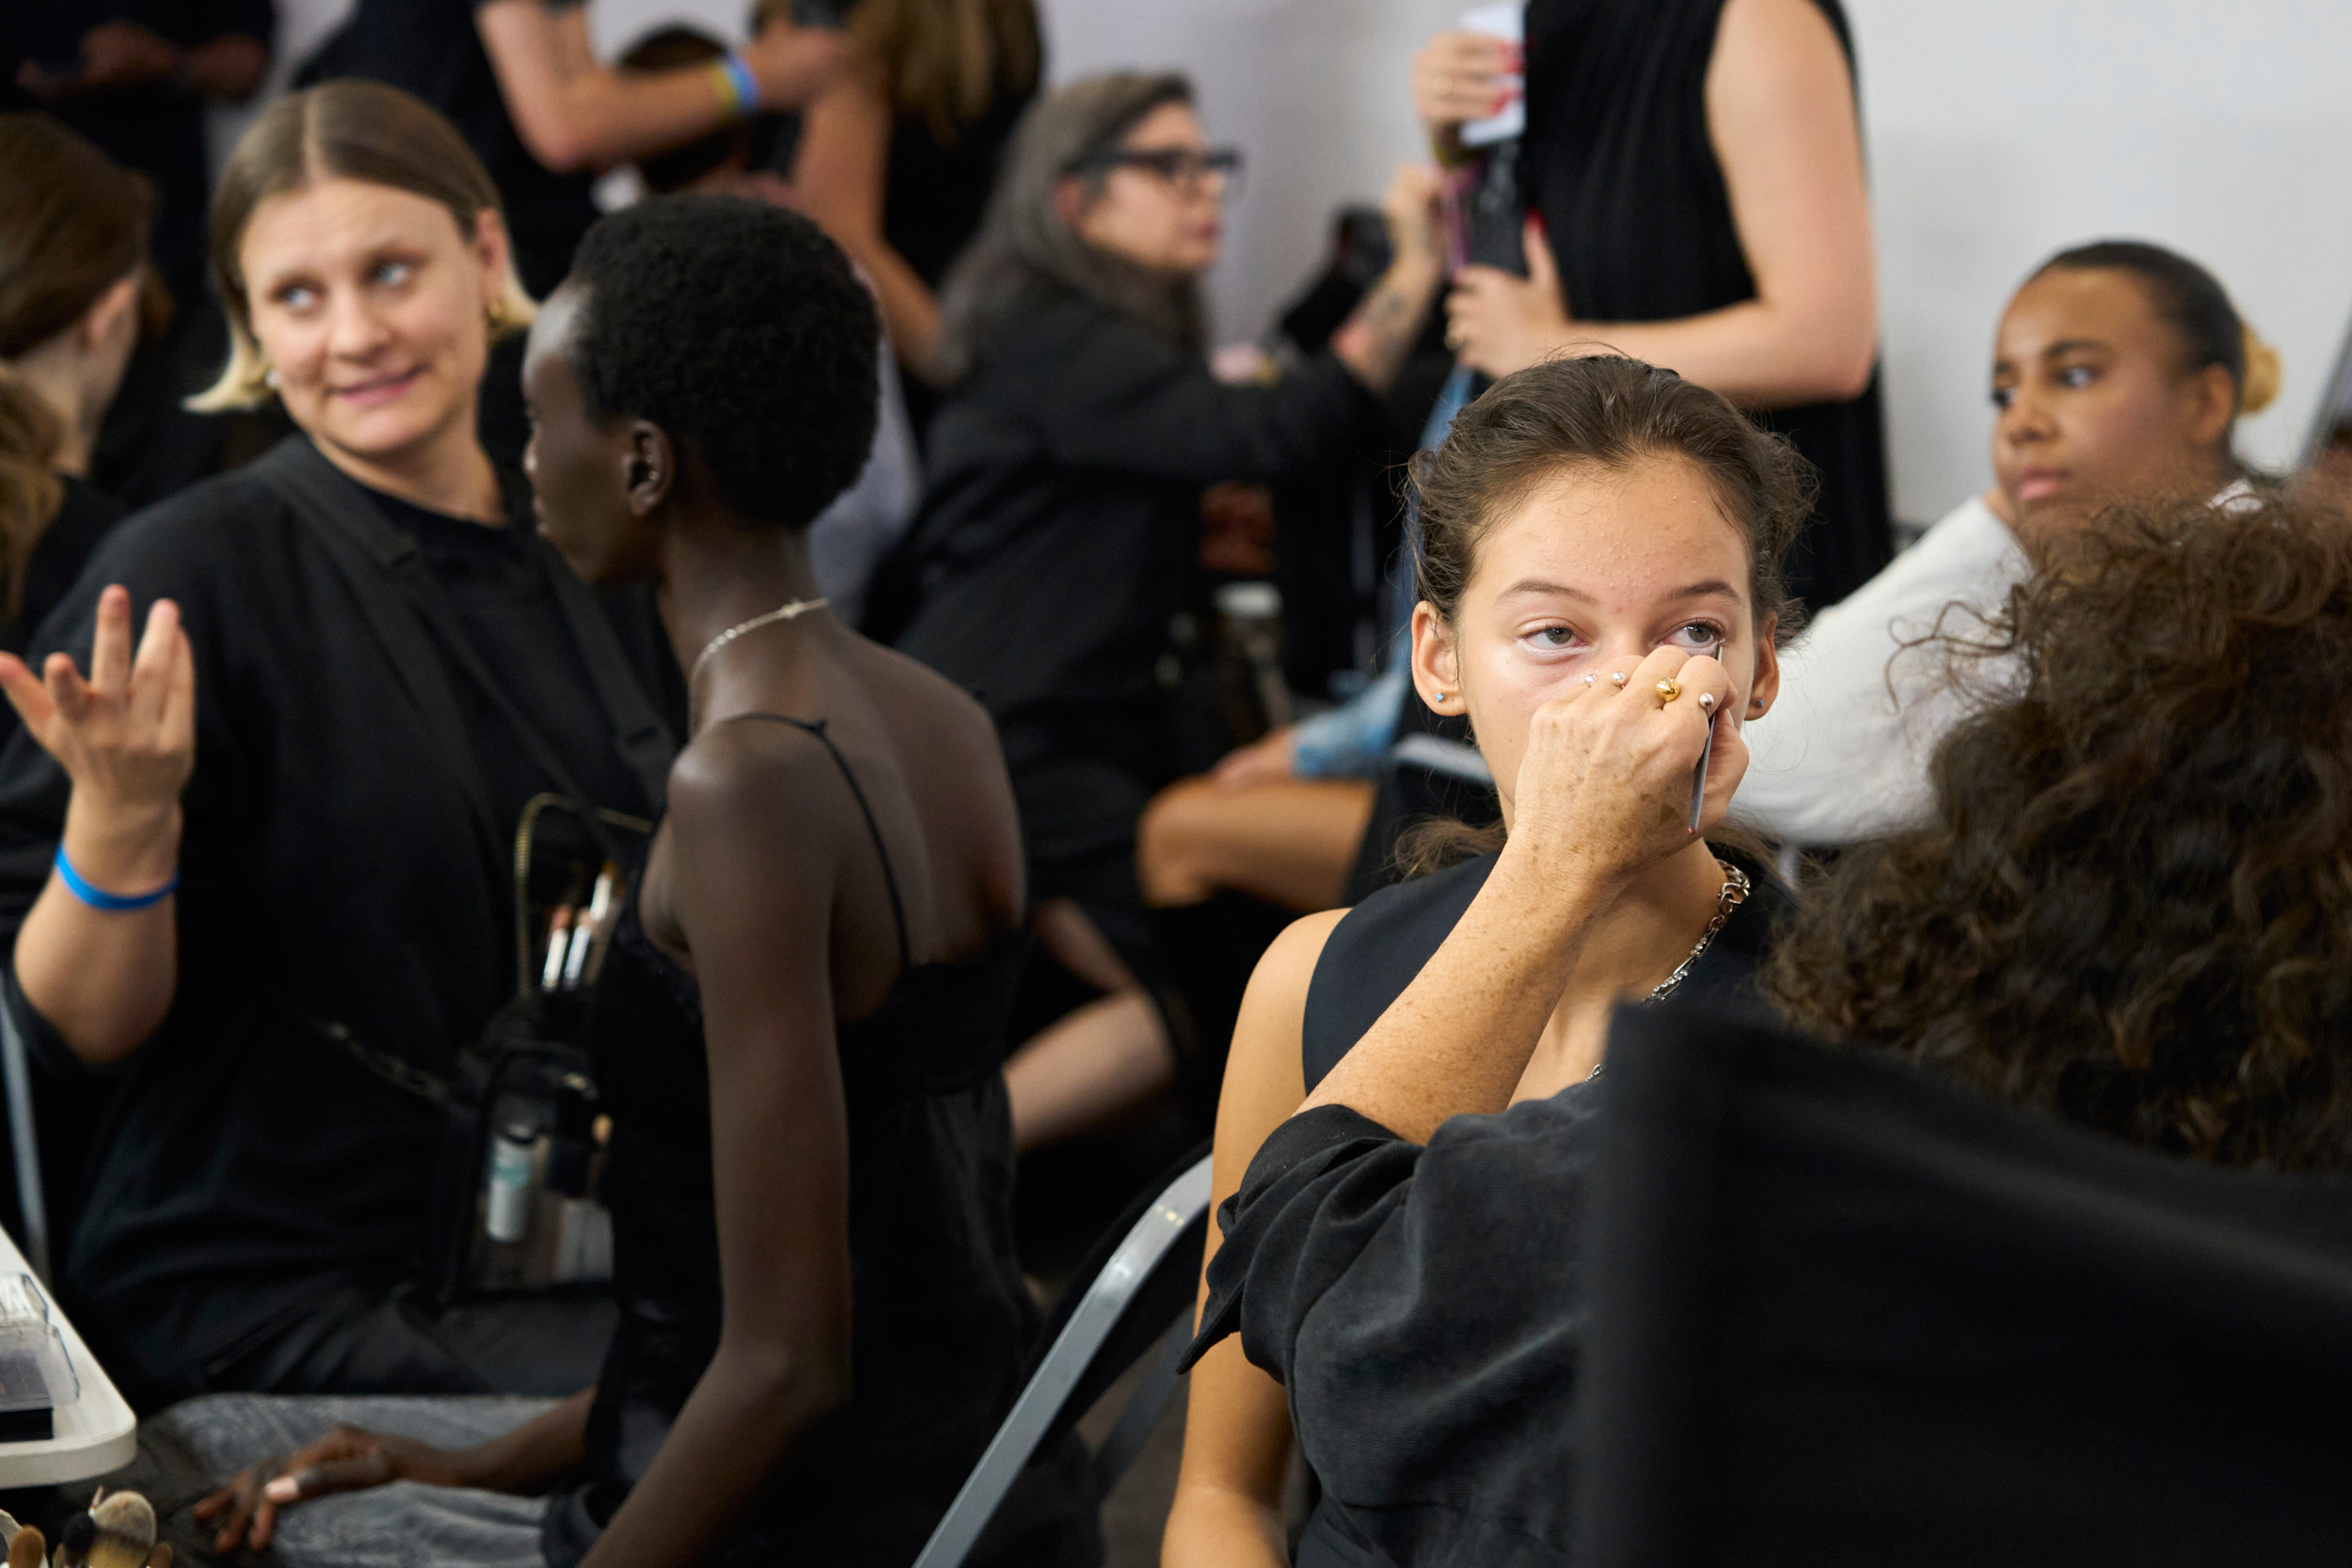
{"points": [[1600, 586], [898, 159], [800, 1024], [1692, 174]]}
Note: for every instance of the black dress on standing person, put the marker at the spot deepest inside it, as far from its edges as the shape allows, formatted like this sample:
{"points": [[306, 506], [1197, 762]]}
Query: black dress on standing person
{"points": [[433, 49], [1423, 1303], [1617, 159], [935, 187], [939, 1318], [252, 1199], [1056, 544]]}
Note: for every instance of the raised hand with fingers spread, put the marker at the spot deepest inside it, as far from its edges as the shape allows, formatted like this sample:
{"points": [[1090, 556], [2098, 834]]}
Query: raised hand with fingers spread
{"points": [[126, 735], [98, 953]]}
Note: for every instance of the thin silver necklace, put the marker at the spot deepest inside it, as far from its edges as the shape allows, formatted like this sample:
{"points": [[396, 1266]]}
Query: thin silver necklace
{"points": [[782, 613]]}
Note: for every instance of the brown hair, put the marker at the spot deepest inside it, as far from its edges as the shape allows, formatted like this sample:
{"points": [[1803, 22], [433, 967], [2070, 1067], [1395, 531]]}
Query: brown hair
{"points": [[2132, 902], [1608, 412], [348, 130], [73, 224], [941, 60]]}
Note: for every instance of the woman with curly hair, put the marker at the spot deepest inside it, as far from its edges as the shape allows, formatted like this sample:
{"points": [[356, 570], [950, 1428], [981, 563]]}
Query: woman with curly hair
{"points": [[2132, 903]]}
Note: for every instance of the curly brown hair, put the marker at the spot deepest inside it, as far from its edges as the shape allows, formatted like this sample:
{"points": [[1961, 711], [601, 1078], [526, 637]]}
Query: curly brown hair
{"points": [[2132, 903]]}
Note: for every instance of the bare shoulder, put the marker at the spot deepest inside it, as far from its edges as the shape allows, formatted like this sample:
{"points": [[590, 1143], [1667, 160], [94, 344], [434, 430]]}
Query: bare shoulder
{"points": [[1768, 47], [734, 771], [1265, 1079], [936, 703]]}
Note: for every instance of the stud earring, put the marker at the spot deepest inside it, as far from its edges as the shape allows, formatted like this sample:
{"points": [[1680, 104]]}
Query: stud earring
{"points": [[269, 378]]}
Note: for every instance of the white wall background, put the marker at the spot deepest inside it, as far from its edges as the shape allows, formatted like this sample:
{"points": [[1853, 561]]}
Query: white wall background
{"points": [[1998, 130]]}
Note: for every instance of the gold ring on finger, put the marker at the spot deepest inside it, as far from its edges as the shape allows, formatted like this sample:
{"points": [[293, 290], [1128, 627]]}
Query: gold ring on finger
{"points": [[1669, 688]]}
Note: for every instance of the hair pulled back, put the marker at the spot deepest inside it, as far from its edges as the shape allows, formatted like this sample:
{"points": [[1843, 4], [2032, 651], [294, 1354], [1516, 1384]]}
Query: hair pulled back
{"points": [[2190, 301], [341, 130], [2132, 903], [1607, 412], [73, 223], [1026, 259]]}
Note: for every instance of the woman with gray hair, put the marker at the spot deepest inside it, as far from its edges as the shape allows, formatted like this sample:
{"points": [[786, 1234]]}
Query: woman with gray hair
{"points": [[1058, 532]]}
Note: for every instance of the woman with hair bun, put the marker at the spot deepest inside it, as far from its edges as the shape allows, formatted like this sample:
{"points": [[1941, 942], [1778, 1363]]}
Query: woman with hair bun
{"points": [[258, 889], [2120, 371], [73, 273]]}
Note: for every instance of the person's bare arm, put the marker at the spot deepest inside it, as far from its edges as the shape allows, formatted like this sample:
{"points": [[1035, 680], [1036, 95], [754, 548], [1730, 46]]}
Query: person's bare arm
{"points": [[103, 979], [1780, 112], [1379, 332], [349, 1459], [573, 112], [838, 173], [1601, 793], [1228, 1511], [753, 888]]}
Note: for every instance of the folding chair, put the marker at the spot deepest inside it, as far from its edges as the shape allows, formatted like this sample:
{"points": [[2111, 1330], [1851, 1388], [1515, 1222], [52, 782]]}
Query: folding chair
{"points": [[1136, 1300]]}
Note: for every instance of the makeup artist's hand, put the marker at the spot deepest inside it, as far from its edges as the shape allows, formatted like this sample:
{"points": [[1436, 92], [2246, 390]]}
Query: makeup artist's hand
{"points": [[127, 735], [1604, 788]]}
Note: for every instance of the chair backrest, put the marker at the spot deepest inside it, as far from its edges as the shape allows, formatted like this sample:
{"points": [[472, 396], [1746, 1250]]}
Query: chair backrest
{"points": [[1145, 1274], [1844, 1314]]}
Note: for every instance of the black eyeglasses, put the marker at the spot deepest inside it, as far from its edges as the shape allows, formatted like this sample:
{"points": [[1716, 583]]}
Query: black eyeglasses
{"points": [[1182, 167]]}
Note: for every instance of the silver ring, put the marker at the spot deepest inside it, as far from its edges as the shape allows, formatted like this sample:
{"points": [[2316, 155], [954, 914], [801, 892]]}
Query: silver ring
{"points": [[1589, 679], [1706, 702], [1617, 679]]}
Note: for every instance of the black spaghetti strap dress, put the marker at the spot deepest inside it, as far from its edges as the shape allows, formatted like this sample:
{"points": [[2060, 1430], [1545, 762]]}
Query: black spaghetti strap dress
{"points": [[941, 1320], [1617, 159]]}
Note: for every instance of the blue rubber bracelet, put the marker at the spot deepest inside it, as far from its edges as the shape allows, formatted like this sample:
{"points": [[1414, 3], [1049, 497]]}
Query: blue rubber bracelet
{"points": [[746, 85], [99, 899]]}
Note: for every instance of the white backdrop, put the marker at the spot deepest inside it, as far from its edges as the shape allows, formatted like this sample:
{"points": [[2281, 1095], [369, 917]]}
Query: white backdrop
{"points": [[1998, 131]]}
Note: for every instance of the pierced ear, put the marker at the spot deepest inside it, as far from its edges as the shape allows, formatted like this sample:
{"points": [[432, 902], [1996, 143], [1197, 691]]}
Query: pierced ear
{"points": [[649, 466], [1436, 664]]}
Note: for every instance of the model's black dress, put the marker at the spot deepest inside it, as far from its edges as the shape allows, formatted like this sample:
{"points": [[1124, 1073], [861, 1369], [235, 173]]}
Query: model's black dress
{"points": [[1617, 159], [940, 1317], [1428, 1301]]}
